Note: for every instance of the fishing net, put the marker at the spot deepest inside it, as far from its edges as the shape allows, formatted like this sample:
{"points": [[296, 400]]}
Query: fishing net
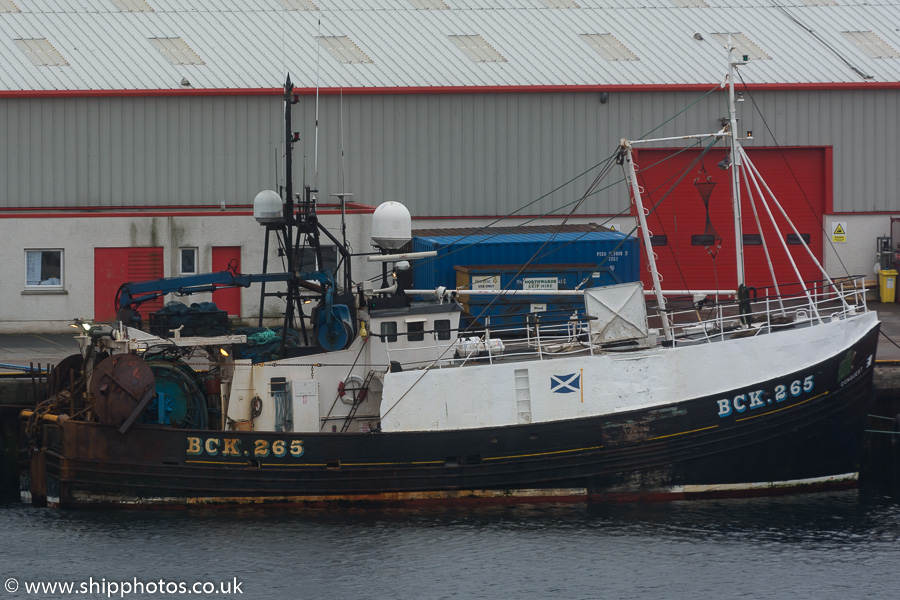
{"points": [[710, 239]]}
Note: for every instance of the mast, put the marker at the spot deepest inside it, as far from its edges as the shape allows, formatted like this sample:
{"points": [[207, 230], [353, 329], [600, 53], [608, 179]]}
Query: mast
{"points": [[288, 170], [289, 217], [651, 256], [735, 168]]}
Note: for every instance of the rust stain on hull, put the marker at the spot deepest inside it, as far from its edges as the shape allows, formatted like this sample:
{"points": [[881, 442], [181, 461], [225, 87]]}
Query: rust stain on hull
{"points": [[394, 499]]}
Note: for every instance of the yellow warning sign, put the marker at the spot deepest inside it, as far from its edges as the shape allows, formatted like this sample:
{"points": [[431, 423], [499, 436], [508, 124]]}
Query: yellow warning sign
{"points": [[839, 233]]}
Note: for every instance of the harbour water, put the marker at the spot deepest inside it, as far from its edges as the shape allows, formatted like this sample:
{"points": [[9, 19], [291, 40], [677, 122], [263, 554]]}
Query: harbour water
{"points": [[822, 546]]}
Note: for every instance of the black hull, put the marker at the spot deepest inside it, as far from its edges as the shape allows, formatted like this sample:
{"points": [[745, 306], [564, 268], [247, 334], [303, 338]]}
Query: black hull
{"points": [[764, 444]]}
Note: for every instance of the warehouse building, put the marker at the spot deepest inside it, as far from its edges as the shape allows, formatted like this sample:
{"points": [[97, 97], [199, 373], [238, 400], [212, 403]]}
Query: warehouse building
{"points": [[136, 133]]}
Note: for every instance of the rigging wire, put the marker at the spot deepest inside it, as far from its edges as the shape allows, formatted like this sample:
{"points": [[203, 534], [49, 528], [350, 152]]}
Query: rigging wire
{"points": [[824, 42], [621, 213], [762, 235], [608, 163], [607, 169], [671, 189], [341, 121], [349, 374], [683, 110], [603, 162], [316, 143], [600, 176], [424, 262], [819, 219]]}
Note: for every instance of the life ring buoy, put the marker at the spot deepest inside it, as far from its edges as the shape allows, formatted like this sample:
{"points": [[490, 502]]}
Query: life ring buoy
{"points": [[354, 383], [255, 407]]}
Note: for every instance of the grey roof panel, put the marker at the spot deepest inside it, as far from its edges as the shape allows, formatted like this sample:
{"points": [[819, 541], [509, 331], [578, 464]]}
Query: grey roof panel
{"points": [[252, 43]]}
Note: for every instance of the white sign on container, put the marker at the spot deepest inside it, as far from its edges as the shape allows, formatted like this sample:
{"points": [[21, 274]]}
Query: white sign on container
{"points": [[540, 283], [485, 282]]}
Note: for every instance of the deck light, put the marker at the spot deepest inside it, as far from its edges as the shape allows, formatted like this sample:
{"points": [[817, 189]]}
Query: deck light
{"points": [[86, 325]]}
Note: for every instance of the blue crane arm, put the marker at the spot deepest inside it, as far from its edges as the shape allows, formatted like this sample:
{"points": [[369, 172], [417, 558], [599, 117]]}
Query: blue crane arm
{"points": [[132, 295], [334, 325]]}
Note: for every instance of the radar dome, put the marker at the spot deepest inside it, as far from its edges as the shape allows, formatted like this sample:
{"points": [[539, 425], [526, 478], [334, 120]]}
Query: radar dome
{"points": [[267, 207], [391, 226]]}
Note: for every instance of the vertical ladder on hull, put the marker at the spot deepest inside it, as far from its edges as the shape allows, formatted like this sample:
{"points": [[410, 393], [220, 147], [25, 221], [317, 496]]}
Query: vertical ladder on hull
{"points": [[359, 395], [523, 396]]}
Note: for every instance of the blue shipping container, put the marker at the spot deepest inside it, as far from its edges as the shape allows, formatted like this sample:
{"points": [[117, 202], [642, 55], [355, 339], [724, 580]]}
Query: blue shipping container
{"points": [[610, 250], [512, 310]]}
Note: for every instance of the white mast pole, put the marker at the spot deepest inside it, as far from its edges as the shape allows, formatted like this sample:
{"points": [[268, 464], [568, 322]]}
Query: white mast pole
{"points": [[645, 233], [735, 168]]}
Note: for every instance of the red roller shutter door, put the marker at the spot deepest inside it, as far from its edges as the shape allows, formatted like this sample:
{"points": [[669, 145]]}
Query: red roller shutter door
{"points": [[797, 176]]}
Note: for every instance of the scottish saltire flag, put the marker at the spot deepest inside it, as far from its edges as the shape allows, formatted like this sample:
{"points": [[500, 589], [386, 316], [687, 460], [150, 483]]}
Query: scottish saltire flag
{"points": [[565, 384]]}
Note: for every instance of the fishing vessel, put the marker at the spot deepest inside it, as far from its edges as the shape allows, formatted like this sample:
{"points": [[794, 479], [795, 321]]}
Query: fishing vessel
{"points": [[378, 395]]}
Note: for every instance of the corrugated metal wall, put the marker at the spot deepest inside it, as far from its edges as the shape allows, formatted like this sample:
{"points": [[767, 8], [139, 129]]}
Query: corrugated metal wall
{"points": [[440, 154], [137, 151]]}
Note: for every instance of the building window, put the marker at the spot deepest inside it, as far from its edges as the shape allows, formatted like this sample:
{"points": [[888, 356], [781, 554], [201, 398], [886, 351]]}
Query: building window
{"points": [[188, 265], [44, 268], [442, 329], [752, 239], [703, 240], [793, 240], [415, 331], [389, 331]]}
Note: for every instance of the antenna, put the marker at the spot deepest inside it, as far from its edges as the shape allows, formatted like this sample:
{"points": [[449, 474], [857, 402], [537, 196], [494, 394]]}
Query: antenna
{"points": [[736, 166], [316, 144]]}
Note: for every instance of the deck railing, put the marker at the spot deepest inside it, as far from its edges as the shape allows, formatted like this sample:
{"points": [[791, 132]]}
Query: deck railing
{"points": [[692, 322], [811, 304]]}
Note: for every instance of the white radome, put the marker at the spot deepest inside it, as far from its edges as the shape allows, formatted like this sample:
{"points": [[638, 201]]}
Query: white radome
{"points": [[268, 207], [391, 225]]}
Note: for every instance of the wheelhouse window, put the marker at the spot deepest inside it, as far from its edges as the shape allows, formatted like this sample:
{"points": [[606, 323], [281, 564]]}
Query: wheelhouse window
{"points": [[793, 240], [188, 261], [442, 329], [44, 268], [659, 240], [415, 331], [389, 331]]}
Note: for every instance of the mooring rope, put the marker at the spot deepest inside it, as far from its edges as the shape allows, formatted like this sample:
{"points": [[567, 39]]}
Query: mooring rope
{"points": [[888, 338]]}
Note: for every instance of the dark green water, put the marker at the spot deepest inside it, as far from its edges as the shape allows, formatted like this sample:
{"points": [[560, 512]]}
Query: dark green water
{"points": [[818, 546]]}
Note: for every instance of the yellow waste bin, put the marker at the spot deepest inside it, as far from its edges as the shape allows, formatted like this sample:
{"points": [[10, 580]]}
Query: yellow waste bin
{"points": [[887, 284]]}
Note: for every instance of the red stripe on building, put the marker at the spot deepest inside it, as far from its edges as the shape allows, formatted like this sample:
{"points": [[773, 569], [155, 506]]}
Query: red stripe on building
{"points": [[453, 89]]}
